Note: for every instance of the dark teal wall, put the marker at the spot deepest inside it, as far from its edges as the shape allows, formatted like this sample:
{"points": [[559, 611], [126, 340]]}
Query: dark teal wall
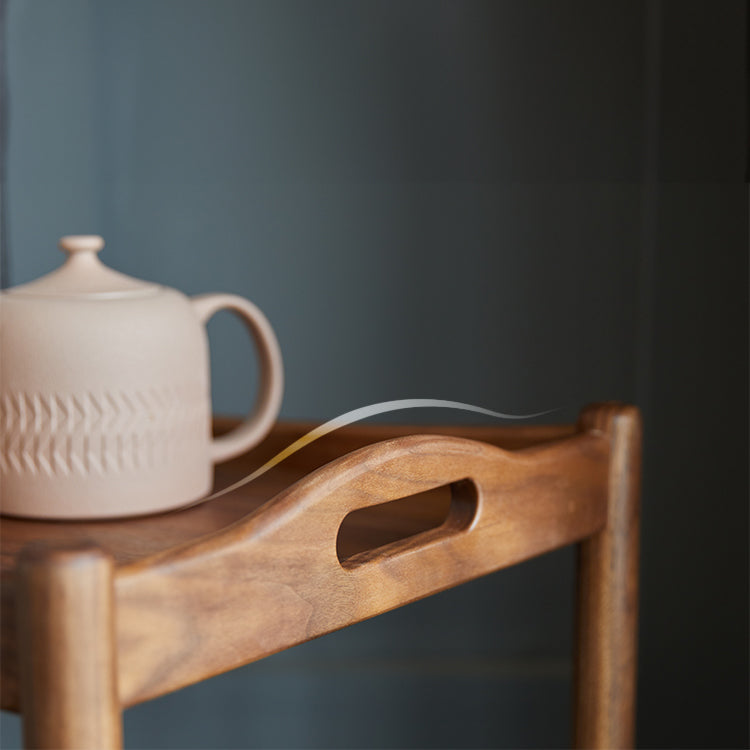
{"points": [[392, 183], [521, 205]]}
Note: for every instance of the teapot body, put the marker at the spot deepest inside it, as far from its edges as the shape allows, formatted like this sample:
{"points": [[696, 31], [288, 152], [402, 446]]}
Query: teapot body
{"points": [[105, 392], [104, 405]]}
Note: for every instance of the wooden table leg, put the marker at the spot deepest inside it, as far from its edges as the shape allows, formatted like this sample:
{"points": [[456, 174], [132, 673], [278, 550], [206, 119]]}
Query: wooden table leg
{"points": [[607, 610], [67, 656]]}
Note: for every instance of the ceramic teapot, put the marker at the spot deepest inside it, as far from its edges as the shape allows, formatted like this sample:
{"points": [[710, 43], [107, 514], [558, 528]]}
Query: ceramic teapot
{"points": [[104, 392]]}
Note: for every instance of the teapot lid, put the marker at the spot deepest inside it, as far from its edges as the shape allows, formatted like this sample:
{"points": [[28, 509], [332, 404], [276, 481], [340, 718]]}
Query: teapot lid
{"points": [[84, 275]]}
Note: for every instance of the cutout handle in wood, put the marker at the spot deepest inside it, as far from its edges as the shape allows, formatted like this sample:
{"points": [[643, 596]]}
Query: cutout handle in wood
{"points": [[389, 528], [380, 474]]}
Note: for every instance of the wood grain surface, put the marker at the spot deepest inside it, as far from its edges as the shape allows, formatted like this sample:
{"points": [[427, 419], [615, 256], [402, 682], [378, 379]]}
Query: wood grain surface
{"points": [[274, 580], [367, 519], [131, 539]]}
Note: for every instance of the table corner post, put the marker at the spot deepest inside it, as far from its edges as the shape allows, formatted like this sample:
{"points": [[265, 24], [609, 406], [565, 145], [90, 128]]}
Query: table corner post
{"points": [[67, 648], [607, 591]]}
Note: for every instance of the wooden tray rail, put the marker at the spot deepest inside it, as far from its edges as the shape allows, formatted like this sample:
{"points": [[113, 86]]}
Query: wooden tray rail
{"points": [[277, 575]]}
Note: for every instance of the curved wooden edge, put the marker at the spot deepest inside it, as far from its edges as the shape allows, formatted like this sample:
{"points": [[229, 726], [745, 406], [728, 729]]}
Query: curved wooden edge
{"points": [[357, 435], [274, 580]]}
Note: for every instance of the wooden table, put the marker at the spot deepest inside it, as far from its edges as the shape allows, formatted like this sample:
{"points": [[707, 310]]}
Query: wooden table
{"points": [[97, 616]]}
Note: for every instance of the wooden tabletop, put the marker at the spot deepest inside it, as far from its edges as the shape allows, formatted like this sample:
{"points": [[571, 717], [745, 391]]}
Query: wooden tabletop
{"points": [[132, 539]]}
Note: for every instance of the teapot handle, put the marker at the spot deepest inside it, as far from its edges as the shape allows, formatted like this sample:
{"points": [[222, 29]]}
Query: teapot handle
{"points": [[257, 424]]}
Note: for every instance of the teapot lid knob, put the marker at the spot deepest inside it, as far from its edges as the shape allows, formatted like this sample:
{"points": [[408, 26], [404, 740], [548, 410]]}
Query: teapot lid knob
{"points": [[81, 243], [83, 274]]}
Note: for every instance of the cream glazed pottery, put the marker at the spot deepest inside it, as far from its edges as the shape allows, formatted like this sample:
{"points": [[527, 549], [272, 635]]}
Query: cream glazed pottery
{"points": [[104, 392]]}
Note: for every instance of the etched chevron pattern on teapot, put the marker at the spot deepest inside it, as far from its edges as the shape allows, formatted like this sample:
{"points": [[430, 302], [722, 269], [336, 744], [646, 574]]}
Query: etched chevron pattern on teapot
{"points": [[59, 434]]}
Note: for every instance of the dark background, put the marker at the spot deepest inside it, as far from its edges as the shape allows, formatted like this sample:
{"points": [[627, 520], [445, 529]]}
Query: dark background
{"points": [[522, 205]]}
